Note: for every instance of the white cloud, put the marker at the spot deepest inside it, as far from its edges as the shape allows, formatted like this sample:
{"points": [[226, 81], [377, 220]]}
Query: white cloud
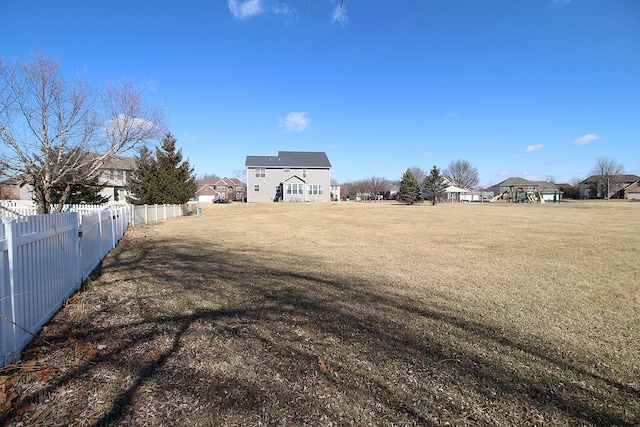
{"points": [[535, 147], [245, 9], [295, 122], [285, 11], [584, 140], [151, 85]]}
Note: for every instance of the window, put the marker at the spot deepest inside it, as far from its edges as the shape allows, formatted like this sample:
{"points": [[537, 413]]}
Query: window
{"points": [[260, 172], [286, 170], [230, 190], [295, 188], [304, 173], [315, 189], [256, 187], [220, 188]]}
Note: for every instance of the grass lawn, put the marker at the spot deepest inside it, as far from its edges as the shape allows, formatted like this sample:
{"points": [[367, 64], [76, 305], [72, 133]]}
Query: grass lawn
{"points": [[350, 314]]}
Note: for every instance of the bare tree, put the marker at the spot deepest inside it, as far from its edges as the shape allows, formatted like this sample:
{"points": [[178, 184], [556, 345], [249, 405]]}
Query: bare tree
{"points": [[462, 174], [240, 174], [207, 178], [54, 132], [419, 174], [607, 170], [376, 186]]}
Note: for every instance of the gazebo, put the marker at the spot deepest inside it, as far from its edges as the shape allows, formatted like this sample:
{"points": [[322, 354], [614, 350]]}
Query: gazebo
{"points": [[453, 193]]}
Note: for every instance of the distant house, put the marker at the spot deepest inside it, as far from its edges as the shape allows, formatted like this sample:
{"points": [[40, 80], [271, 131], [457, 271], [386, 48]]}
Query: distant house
{"points": [[221, 188], [116, 174], [335, 192], [518, 189], [291, 176], [595, 187], [10, 189], [633, 191]]}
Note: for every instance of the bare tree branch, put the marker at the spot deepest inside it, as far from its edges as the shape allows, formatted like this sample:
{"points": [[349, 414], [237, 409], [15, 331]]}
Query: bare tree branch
{"points": [[462, 174], [608, 170], [53, 131]]}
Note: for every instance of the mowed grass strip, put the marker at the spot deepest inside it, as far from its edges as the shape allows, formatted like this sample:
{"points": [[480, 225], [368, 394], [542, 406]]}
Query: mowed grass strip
{"points": [[358, 314]]}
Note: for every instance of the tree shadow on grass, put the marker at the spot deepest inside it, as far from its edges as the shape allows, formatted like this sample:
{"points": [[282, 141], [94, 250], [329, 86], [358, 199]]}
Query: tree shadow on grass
{"points": [[387, 358]]}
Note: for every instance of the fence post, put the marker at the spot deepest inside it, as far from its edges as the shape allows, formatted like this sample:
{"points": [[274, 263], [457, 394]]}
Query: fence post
{"points": [[113, 216], [7, 295]]}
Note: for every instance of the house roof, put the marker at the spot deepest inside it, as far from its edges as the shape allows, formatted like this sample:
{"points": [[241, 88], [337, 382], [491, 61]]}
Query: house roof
{"points": [[311, 159], [121, 163], [514, 181], [624, 178], [205, 189], [517, 181]]}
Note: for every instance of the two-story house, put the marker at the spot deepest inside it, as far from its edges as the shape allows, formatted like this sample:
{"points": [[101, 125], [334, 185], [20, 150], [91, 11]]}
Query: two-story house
{"points": [[221, 189], [291, 176], [10, 189], [115, 174], [619, 188]]}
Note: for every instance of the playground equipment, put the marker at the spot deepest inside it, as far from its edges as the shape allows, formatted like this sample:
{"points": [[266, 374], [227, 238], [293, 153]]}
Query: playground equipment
{"points": [[519, 195], [498, 197]]}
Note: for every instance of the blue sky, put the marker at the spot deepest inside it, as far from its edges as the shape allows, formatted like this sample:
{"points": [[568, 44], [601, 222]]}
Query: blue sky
{"points": [[530, 88]]}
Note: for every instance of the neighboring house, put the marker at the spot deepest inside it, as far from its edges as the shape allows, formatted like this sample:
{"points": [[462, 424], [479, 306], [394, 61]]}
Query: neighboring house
{"points": [[205, 192], [291, 176], [633, 191], [517, 189], [568, 191], [392, 192], [595, 187], [222, 188], [10, 190], [116, 174], [335, 192]]}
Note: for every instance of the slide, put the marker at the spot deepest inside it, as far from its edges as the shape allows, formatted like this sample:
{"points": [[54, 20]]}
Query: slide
{"points": [[499, 196]]}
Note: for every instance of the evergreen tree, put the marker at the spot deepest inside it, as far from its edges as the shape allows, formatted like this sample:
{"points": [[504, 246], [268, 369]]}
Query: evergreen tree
{"points": [[409, 192], [435, 183], [141, 187], [163, 179], [86, 192]]}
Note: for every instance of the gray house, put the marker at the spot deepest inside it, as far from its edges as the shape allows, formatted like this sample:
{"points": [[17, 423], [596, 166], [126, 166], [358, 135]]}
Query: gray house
{"points": [[291, 176]]}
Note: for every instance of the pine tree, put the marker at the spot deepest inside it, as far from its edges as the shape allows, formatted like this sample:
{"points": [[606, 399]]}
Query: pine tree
{"points": [[435, 183], [163, 179], [140, 187], [409, 192], [86, 192]]}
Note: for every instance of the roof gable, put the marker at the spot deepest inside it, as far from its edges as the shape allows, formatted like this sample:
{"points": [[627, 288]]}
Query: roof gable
{"points": [[295, 178]]}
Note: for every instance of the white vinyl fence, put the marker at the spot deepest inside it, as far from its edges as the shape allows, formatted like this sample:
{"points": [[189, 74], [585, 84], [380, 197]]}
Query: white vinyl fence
{"points": [[144, 214], [45, 258], [13, 209]]}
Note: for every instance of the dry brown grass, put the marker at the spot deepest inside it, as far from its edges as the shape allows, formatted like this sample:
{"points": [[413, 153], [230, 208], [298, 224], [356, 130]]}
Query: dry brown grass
{"points": [[351, 314]]}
